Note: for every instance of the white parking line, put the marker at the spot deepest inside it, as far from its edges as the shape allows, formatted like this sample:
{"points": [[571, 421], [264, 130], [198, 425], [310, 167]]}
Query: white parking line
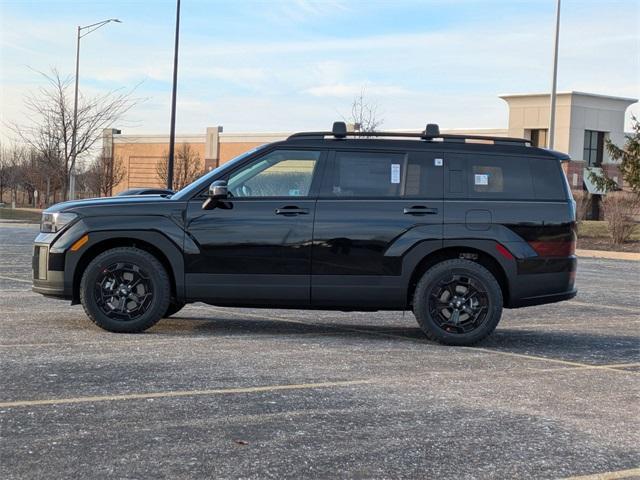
{"points": [[14, 279], [617, 475], [181, 393]]}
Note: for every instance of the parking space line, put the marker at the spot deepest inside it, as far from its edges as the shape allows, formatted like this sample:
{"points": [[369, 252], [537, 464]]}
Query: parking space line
{"points": [[14, 279], [593, 367], [182, 393], [574, 365], [617, 475]]}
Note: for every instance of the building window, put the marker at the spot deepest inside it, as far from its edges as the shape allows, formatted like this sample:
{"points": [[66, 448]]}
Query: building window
{"points": [[539, 137], [593, 147]]}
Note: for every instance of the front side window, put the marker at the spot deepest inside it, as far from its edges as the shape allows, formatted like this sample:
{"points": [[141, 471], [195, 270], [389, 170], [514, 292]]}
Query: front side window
{"points": [[282, 173]]}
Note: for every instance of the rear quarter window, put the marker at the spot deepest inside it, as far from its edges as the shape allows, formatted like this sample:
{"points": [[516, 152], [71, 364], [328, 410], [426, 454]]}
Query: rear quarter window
{"points": [[548, 179], [498, 177]]}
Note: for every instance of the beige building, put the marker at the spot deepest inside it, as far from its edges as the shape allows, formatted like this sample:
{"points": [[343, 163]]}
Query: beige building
{"points": [[583, 122]]}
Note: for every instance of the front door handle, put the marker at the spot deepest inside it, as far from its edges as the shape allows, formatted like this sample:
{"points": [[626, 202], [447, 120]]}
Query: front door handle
{"points": [[291, 210], [420, 210]]}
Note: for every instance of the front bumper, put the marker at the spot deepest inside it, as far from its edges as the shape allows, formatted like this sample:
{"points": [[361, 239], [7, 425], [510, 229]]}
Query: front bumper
{"points": [[48, 272]]}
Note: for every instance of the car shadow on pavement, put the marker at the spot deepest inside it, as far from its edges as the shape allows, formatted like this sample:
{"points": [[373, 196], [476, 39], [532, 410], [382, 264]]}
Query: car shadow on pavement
{"points": [[251, 326], [593, 348]]}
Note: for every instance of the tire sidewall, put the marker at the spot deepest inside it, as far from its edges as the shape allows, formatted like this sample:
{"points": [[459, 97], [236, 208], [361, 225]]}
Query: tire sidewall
{"points": [[157, 276], [443, 270]]}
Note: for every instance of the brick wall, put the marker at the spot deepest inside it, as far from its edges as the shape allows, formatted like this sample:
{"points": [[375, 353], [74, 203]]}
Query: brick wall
{"points": [[574, 170]]}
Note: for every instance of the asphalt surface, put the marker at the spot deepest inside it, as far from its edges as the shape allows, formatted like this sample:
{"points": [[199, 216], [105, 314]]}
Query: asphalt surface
{"points": [[240, 393]]}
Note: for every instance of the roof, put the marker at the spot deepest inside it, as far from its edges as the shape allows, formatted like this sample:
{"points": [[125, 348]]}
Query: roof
{"points": [[572, 92]]}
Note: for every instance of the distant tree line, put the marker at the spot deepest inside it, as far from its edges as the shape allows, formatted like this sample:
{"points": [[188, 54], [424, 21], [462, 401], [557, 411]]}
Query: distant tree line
{"points": [[44, 156], [32, 179]]}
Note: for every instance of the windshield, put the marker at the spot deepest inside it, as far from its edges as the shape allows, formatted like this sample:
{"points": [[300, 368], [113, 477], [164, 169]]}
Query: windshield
{"points": [[201, 182]]}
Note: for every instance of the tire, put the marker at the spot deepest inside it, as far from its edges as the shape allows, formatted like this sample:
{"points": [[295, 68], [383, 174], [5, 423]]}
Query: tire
{"points": [[441, 292], [125, 290], [174, 307]]}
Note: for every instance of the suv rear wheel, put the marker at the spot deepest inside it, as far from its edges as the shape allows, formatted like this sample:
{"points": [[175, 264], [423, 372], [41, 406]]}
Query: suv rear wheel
{"points": [[457, 302], [125, 290]]}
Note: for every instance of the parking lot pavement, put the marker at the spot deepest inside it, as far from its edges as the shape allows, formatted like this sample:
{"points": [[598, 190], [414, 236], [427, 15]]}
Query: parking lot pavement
{"points": [[228, 393]]}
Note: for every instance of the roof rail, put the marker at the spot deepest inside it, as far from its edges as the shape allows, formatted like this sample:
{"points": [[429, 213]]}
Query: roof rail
{"points": [[430, 133]]}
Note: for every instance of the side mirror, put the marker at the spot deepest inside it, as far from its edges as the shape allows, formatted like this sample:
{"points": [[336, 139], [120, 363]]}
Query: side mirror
{"points": [[218, 190]]}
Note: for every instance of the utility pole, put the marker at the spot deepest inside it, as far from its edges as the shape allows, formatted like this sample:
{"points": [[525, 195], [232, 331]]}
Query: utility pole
{"points": [[552, 114], [74, 134], [72, 169], [172, 133]]}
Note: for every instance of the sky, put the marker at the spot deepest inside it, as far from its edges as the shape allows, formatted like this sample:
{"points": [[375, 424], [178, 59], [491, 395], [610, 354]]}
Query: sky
{"points": [[287, 65]]}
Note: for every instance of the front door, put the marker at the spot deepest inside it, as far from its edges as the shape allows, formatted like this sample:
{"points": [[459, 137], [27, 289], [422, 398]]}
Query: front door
{"points": [[372, 209], [255, 247]]}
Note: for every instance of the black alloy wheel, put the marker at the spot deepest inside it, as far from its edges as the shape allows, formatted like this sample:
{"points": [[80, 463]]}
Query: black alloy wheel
{"points": [[125, 290], [457, 302]]}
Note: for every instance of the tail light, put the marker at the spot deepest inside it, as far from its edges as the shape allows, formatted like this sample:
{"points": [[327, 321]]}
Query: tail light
{"points": [[561, 246], [554, 248]]}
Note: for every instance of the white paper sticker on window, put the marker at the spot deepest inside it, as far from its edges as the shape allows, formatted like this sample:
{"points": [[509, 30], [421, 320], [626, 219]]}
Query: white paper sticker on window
{"points": [[481, 179], [437, 162], [395, 173]]}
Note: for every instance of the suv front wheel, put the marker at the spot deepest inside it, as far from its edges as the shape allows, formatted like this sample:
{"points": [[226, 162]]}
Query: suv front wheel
{"points": [[125, 290], [457, 302]]}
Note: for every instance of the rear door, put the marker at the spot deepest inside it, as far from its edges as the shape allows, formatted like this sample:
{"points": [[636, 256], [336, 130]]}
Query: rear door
{"points": [[369, 204]]}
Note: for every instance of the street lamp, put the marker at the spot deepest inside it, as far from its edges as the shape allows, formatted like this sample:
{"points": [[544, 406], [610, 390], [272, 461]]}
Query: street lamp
{"points": [[82, 32]]}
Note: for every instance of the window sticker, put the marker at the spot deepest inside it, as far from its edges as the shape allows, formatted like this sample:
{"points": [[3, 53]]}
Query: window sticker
{"points": [[437, 162], [395, 173], [481, 179]]}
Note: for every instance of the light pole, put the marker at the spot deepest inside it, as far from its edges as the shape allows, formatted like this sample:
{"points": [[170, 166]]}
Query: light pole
{"points": [[82, 32], [172, 128], [552, 114]]}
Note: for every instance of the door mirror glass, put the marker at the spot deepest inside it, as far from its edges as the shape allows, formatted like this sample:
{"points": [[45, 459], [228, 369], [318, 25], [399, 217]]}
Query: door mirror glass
{"points": [[218, 190]]}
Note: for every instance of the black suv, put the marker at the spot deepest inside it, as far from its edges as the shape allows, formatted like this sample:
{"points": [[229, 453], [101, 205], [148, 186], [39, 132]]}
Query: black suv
{"points": [[454, 227]]}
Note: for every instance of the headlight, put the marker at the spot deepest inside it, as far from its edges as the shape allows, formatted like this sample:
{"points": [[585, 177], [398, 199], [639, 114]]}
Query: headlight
{"points": [[54, 222]]}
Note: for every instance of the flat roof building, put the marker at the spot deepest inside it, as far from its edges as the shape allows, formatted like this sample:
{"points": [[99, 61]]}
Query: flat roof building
{"points": [[583, 122]]}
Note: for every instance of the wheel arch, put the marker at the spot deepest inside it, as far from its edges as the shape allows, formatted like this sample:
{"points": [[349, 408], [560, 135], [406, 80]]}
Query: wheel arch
{"points": [[153, 243], [473, 253]]}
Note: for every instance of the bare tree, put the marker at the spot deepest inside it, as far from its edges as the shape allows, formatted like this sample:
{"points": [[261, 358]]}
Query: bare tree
{"points": [[13, 171], [104, 174], [51, 111], [620, 210], [364, 114], [4, 170], [187, 166]]}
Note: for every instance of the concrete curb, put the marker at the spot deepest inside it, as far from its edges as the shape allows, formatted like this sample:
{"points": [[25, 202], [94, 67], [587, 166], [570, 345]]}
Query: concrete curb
{"points": [[609, 255]]}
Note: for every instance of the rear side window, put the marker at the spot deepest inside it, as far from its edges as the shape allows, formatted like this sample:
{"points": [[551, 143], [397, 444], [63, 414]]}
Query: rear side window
{"points": [[379, 174], [548, 179], [499, 178]]}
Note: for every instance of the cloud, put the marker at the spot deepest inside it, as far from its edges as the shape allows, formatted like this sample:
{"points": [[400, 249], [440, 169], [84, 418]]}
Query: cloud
{"points": [[350, 91], [299, 67]]}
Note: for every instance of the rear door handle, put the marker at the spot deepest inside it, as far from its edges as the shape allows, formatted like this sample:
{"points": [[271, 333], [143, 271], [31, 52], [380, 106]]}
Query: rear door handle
{"points": [[420, 210], [291, 210]]}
